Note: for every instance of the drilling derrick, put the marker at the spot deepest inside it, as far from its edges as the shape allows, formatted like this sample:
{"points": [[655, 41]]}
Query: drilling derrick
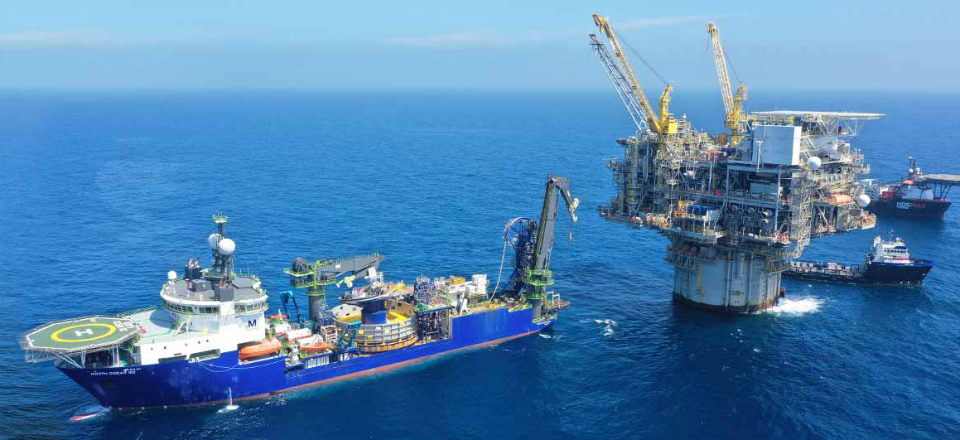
{"points": [[733, 210]]}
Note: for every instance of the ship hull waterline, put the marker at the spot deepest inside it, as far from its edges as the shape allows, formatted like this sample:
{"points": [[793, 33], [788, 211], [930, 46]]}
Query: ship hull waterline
{"points": [[911, 208], [877, 274], [209, 382]]}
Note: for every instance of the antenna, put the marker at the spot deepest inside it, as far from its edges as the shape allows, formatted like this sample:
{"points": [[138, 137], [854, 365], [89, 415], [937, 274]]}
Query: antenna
{"points": [[222, 248]]}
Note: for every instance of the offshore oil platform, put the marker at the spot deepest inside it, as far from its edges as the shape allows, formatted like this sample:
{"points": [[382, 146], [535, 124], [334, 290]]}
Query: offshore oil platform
{"points": [[212, 340], [735, 205]]}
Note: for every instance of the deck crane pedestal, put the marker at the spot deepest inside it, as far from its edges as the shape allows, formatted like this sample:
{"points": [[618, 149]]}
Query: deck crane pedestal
{"points": [[321, 273]]}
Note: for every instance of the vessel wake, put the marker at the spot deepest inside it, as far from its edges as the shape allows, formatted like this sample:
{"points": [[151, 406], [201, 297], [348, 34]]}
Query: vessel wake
{"points": [[90, 413]]}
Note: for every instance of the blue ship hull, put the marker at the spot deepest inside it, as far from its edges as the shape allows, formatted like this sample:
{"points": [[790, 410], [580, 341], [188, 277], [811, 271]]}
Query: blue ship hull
{"points": [[876, 273], [911, 208], [891, 273], [183, 383]]}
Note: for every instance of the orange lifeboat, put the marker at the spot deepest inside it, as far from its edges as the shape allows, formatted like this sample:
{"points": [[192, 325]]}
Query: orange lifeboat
{"points": [[264, 348], [278, 317], [316, 347]]}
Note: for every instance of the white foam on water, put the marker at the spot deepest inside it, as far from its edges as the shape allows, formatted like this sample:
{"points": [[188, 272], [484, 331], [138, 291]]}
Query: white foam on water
{"points": [[800, 306], [609, 326], [90, 413], [227, 409], [230, 406], [545, 336]]}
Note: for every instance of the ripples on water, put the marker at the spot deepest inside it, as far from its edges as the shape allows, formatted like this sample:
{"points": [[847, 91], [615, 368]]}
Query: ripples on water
{"points": [[102, 194]]}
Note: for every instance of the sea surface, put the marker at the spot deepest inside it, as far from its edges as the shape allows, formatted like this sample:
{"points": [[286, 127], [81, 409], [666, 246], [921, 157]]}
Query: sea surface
{"points": [[101, 193]]}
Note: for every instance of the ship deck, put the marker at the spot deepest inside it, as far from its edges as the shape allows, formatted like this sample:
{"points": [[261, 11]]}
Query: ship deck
{"points": [[942, 179], [154, 324]]}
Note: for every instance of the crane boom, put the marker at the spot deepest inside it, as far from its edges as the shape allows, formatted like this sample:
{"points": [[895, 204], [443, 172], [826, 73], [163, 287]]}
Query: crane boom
{"points": [[533, 242], [321, 273], [548, 218], [732, 104], [652, 119], [725, 91], [620, 84]]}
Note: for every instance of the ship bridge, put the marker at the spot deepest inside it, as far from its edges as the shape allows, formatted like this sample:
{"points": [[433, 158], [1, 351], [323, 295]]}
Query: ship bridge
{"points": [[67, 339]]}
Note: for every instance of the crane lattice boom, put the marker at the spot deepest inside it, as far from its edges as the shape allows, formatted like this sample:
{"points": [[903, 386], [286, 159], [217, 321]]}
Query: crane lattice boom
{"points": [[621, 84], [636, 90], [725, 91], [732, 104]]}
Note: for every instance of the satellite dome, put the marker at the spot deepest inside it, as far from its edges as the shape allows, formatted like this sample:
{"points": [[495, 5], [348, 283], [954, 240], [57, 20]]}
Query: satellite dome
{"points": [[226, 246], [814, 162], [863, 200], [172, 275], [213, 239]]}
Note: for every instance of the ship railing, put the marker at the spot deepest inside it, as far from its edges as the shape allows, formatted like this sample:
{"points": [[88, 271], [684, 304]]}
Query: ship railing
{"points": [[824, 267], [130, 313], [38, 355], [175, 336], [246, 274]]}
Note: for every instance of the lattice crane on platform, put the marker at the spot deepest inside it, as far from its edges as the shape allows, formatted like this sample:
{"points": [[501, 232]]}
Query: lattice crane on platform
{"points": [[628, 86], [734, 119]]}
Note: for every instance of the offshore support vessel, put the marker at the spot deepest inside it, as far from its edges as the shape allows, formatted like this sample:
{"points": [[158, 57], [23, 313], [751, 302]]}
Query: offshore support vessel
{"points": [[919, 195], [212, 341], [888, 263]]}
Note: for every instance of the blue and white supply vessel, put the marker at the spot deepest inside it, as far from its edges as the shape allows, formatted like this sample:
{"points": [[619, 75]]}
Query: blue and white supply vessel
{"points": [[213, 340], [888, 263]]}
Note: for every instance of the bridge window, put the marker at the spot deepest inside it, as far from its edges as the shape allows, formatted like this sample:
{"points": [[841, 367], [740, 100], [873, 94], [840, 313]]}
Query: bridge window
{"points": [[190, 310], [250, 308]]}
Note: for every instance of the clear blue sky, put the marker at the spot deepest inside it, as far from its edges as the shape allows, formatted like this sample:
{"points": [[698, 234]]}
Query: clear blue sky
{"points": [[490, 44]]}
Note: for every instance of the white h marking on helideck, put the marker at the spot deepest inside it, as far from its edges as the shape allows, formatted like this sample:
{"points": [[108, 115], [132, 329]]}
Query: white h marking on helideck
{"points": [[87, 332]]}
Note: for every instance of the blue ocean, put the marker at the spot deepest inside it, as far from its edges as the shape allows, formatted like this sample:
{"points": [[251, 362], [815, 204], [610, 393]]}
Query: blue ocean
{"points": [[101, 193]]}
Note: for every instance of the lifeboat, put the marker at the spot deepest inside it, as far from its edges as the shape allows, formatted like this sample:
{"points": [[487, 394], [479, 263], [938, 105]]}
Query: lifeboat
{"points": [[264, 348], [316, 347]]}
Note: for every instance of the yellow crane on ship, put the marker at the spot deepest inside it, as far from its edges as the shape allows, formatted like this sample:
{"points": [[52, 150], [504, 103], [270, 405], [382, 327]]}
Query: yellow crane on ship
{"points": [[660, 123], [735, 119]]}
